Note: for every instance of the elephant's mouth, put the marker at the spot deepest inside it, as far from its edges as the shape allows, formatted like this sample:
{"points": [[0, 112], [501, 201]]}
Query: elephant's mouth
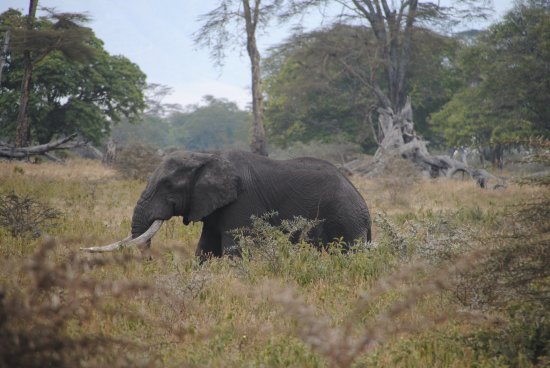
{"points": [[128, 242]]}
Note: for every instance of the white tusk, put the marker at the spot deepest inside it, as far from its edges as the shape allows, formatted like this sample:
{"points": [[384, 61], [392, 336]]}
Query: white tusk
{"points": [[128, 242]]}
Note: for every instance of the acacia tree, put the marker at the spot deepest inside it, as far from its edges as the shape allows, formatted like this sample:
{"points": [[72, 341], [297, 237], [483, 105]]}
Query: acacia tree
{"points": [[76, 88], [21, 135], [35, 40], [392, 26], [311, 97], [215, 34]]}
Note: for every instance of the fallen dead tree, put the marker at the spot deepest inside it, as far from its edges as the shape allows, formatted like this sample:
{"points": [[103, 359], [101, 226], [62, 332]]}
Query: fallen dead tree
{"points": [[400, 140], [19, 153]]}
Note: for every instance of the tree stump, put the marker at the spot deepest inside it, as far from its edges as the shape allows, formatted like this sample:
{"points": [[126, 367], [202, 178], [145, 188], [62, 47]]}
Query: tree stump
{"points": [[109, 158], [401, 140]]}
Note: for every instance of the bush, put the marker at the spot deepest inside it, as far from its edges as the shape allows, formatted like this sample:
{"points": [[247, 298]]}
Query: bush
{"points": [[36, 320], [137, 161], [24, 215], [520, 340], [271, 244]]}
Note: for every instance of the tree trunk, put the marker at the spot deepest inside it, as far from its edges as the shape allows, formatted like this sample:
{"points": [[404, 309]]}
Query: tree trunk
{"points": [[400, 140], [109, 158], [4, 53], [258, 142], [22, 132], [13, 152]]}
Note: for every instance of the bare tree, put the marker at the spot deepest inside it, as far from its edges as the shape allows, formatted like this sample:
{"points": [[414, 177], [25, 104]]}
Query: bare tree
{"points": [[215, 33], [392, 25]]}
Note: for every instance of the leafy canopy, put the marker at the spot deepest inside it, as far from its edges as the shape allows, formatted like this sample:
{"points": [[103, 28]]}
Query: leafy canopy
{"points": [[75, 89], [311, 95], [507, 93]]}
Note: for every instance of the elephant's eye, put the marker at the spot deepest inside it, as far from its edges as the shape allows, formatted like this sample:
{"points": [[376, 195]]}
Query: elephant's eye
{"points": [[167, 183]]}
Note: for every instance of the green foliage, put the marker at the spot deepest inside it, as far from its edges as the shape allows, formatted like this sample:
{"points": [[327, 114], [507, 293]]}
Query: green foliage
{"points": [[271, 249], [70, 95], [218, 124], [308, 100], [151, 129], [524, 340], [313, 95], [507, 89], [271, 244]]}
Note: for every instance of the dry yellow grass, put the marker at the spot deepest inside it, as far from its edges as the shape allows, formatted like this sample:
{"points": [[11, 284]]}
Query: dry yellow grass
{"points": [[171, 311], [76, 169]]}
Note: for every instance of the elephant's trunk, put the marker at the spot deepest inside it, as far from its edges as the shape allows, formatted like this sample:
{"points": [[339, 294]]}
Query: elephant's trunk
{"points": [[140, 221]]}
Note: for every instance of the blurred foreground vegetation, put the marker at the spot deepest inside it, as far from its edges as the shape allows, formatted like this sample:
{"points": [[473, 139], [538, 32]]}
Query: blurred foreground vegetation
{"points": [[457, 276]]}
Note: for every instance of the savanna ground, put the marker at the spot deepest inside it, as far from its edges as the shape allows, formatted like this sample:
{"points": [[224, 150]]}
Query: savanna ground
{"points": [[413, 299]]}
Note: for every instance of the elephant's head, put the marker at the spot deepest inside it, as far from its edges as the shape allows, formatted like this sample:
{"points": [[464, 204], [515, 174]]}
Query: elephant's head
{"points": [[187, 184]]}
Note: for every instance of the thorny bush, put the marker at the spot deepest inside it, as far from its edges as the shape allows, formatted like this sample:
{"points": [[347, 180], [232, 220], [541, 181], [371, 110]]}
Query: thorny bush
{"points": [[24, 215], [137, 161]]}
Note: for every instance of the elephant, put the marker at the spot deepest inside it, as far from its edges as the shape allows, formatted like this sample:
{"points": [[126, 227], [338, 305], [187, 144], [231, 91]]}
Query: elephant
{"points": [[224, 190]]}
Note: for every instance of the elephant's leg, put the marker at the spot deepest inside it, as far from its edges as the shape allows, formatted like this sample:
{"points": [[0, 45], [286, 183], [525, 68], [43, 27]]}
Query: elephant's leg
{"points": [[229, 246], [210, 244]]}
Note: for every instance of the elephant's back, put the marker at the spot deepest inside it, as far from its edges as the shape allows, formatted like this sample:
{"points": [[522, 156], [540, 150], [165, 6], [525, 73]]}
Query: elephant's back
{"points": [[306, 187], [299, 175]]}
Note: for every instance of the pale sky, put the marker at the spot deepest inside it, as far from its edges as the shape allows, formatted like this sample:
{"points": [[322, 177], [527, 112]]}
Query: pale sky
{"points": [[157, 35]]}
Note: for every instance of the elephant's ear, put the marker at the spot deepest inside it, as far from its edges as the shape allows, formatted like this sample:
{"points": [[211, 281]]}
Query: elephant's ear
{"points": [[216, 185]]}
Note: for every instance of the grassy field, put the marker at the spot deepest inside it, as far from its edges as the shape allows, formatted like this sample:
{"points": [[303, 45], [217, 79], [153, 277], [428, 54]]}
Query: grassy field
{"points": [[407, 301]]}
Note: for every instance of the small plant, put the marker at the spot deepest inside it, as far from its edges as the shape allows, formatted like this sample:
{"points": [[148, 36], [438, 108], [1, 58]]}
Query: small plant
{"points": [[24, 215], [18, 170], [265, 242], [390, 235]]}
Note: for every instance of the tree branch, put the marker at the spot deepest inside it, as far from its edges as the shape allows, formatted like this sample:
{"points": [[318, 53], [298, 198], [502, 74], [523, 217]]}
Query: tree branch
{"points": [[406, 48], [387, 9], [369, 14], [377, 91], [24, 152]]}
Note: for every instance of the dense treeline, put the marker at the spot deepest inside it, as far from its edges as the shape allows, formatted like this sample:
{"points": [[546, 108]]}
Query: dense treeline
{"points": [[214, 124], [476, 88], [506, 84], [311, 96]]}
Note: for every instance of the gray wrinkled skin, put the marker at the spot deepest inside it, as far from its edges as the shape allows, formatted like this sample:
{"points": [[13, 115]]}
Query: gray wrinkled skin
{"points": [[224, 190]]}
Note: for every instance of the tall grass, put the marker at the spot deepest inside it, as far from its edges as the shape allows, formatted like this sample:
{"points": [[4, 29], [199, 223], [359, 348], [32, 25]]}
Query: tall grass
{"points": [[412, 298]]}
